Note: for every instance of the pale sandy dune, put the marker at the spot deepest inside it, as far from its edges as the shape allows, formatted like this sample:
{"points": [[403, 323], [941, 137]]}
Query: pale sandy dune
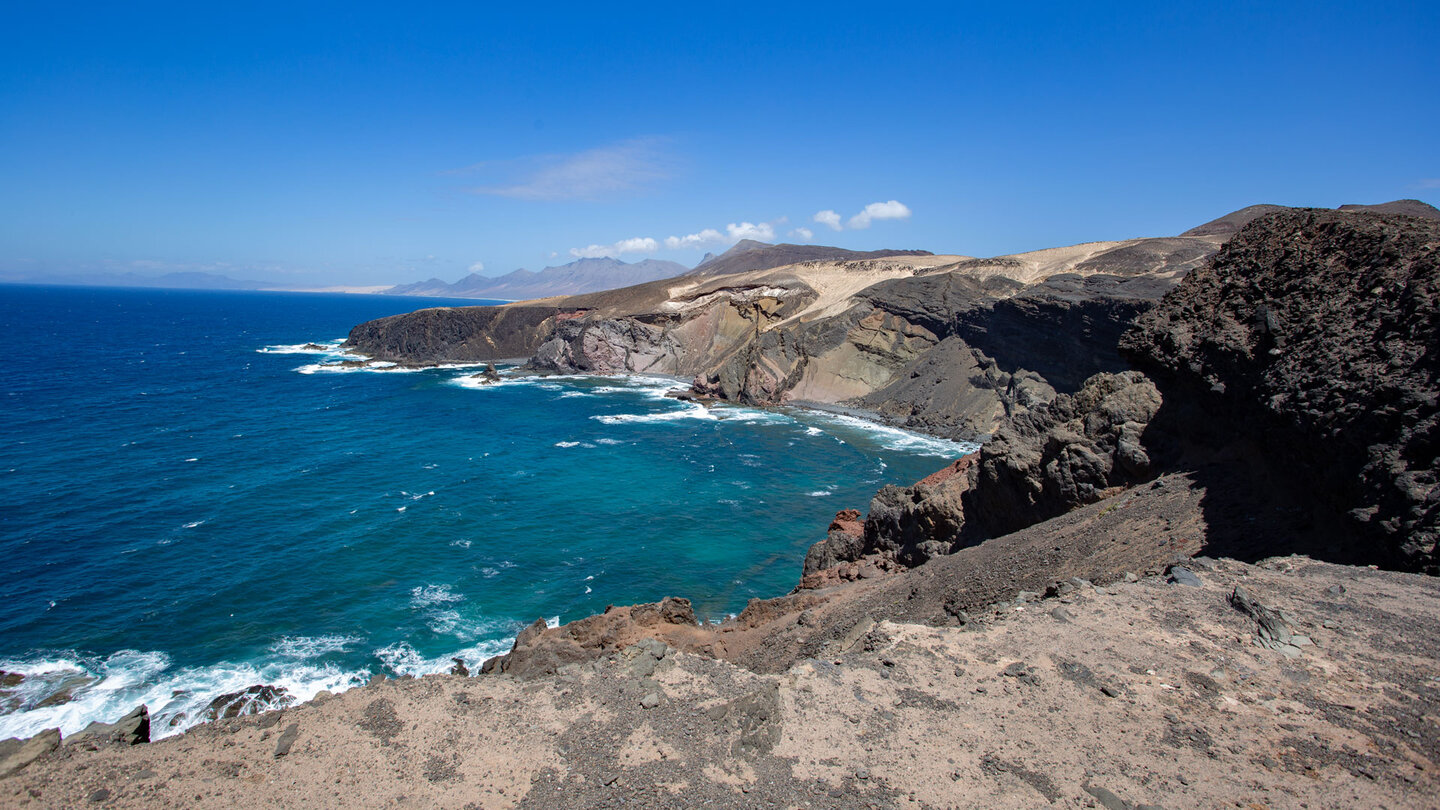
{"points": [[836, 282]]}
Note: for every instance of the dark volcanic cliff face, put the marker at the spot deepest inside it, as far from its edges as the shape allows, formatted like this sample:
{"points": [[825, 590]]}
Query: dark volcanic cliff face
{"points": [[1074, 451], [1317, 333], [456, 335]]}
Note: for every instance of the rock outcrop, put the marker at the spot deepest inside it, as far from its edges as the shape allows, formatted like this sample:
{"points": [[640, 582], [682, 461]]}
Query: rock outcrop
{"points": [[1317, 335], [254, 700], [456, 334], [1073, 451], [132, 729], [541, 650]]}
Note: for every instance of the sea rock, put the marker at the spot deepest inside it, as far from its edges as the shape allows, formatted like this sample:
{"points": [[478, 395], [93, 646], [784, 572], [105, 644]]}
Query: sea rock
{"points": [[132, 729], [1313, 333], [253, 700], [65, 691]]}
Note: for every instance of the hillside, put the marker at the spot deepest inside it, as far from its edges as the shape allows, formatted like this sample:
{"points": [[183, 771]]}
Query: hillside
{"points": [[748, 255]]}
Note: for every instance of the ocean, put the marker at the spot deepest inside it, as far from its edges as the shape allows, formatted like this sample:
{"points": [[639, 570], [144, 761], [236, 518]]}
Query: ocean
{"points": [[194, 502]]}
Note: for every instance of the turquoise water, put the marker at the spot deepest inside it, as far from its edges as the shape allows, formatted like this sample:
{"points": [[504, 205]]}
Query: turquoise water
{"points": [[193, 503]]}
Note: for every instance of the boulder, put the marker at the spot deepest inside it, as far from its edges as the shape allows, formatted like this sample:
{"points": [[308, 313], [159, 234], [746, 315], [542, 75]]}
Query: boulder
{"points": [[1069, 453], [541, 650], [132, 729], [253, 700]]}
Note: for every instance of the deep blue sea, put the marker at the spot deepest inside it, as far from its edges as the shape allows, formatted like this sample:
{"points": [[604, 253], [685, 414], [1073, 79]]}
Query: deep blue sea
{"points": [[191, 503]]}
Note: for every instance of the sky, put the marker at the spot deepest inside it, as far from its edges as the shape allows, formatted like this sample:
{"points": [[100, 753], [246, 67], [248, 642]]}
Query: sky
{"points": [[357, 143]]}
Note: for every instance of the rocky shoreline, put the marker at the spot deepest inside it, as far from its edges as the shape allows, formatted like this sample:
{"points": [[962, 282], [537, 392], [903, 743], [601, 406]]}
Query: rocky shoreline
{"points": [[1027, 625]]}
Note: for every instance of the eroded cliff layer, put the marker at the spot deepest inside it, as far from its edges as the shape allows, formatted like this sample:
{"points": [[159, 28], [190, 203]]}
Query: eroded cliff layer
{"points": [[946, 344]]}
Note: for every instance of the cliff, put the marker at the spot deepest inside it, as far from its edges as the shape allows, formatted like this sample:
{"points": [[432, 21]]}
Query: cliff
{"points": [[947, 344], [1314, 334]]}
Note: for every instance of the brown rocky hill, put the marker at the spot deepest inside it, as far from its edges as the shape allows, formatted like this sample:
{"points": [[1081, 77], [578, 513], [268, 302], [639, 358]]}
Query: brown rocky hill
{"points": [[947, 344], [748, 255], [1226, 226]]}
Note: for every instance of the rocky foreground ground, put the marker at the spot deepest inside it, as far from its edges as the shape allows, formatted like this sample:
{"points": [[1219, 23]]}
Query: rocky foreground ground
{"points": [[1152, 692]]}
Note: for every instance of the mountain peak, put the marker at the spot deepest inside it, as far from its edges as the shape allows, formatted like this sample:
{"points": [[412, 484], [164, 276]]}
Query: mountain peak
{"points": [[580, 276]]}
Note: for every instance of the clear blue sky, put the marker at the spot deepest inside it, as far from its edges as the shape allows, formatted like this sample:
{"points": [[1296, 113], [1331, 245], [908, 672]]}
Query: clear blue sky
{"points": [[368, 144]]}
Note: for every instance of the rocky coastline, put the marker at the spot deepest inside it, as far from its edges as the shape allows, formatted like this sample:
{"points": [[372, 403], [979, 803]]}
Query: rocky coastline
{"points": [[1156, 584]]}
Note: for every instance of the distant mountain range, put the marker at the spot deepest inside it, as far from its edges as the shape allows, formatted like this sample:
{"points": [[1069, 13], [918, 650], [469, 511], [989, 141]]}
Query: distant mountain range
{"points": [[597, 275], [581, 276]]}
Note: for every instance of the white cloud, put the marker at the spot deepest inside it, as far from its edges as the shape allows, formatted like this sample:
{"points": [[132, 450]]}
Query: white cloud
{"points": [[477, 267], [638, 244], [709, 236], [878, 210], [804, 233], [831, 218], [590, 175], [763, 232]]}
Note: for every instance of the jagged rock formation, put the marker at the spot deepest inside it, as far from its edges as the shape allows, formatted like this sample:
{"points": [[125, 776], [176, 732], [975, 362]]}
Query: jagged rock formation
{"points": [[540, 650], [1072, 452], [1308, 344], [1068, 453], [1316, 334]]}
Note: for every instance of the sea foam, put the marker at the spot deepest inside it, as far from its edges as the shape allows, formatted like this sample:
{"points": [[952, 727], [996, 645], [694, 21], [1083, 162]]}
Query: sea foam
{"points": [[106, 689]]}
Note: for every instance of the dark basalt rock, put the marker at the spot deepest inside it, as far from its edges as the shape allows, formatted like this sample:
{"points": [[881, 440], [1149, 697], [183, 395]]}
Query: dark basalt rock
{"points": [[1317, 335], [1065, 454], [456, 335], [253, 700], [1071, 452]]}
